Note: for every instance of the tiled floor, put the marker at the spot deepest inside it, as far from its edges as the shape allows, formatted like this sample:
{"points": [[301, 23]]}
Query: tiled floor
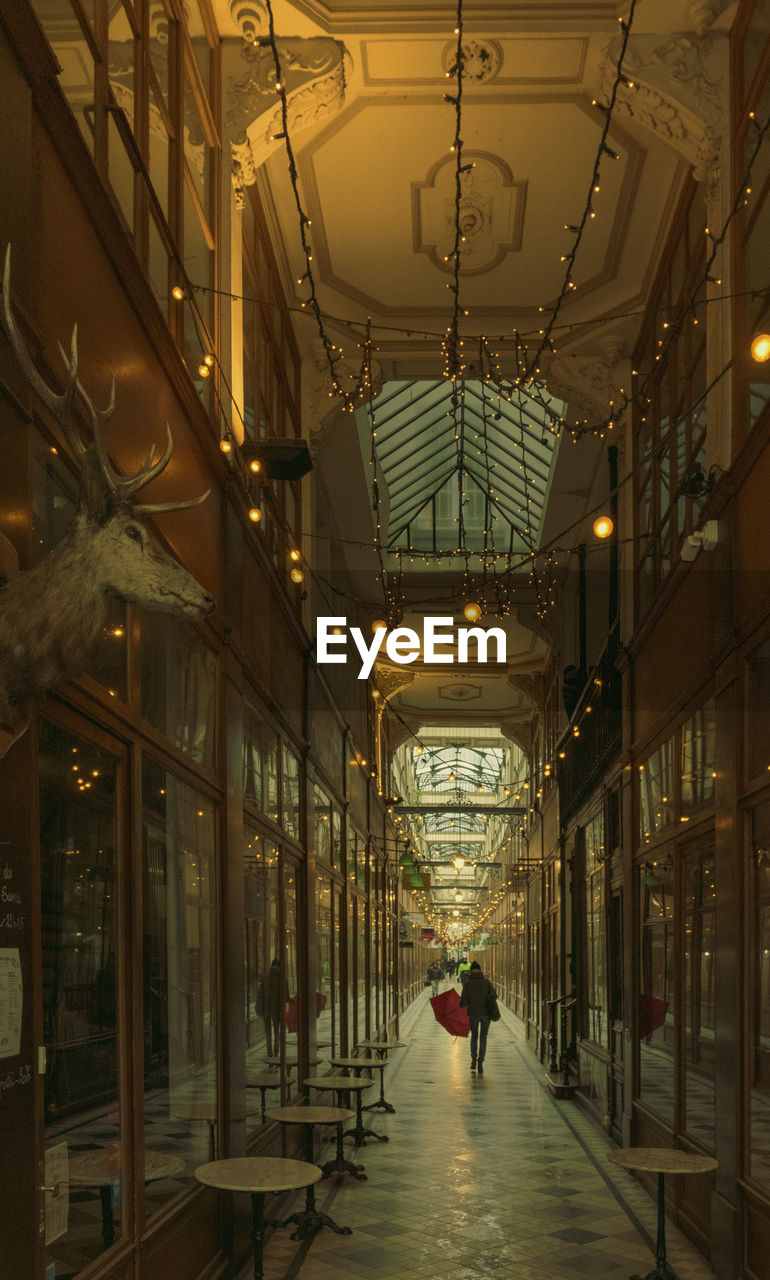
{"points": [[482, 1178]]}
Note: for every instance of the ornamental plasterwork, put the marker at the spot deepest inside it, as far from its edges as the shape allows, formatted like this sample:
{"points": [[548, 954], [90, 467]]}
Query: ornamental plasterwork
{"points": [[314, 74], [319, 401], [702, 13], [392, 680], [678, 91], [530, 686], [544, 628], [588, 382], [491, 213], [482, 60], [519, 732]]}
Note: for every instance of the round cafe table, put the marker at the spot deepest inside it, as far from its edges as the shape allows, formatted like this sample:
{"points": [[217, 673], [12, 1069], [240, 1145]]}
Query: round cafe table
{"points": [[262, 1080], [366, 1064], [311, 1219], [258, 1176], [661, 1160], [381, 1048], [342, 1085]]}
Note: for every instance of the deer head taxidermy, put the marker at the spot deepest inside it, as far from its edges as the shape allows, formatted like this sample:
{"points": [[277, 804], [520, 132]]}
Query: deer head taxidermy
{"points": [[53, 616]]}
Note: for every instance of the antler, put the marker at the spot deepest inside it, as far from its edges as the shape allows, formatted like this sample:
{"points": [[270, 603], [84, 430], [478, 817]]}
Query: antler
{"points": [[62, 406]]}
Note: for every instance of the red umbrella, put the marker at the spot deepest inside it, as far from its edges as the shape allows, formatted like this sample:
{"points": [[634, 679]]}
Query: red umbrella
{"points": [[450, 1013]]}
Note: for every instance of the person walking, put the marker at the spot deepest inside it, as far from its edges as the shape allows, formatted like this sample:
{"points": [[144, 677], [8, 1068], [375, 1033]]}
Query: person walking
{"points": [[477, 992], [463, 969], [272, 1006], [434, 976]]}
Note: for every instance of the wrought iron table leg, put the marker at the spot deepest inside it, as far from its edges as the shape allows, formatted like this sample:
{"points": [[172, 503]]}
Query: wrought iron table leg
{"points": [[360, 1133], [662, 1270], [381, 1104], [258, 1230], [309, 1220], [340, 1165]]}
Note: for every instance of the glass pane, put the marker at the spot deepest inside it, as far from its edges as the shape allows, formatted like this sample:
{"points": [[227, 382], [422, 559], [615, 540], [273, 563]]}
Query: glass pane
{"points": [[159, 260], [79, 952], [121, 174], [759, 1154], [656, 1007], [109, 666], [323, 1006], [178, 685], [291, 793], [160, 147], [196, 148], [699, 997], [120, 63], [264, 1007], [758, 702], [178, 976], [361, 938], [596, 932], [656, 783], [159, 47], [73, 53], [291, 993], [697, 758]]}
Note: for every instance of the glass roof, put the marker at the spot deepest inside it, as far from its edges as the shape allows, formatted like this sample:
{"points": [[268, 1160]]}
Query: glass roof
{"points": [[507, 448], [458, 768]]}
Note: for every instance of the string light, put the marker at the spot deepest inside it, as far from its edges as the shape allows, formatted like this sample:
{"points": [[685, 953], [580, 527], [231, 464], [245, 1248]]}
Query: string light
{"points": [[603, 526]]}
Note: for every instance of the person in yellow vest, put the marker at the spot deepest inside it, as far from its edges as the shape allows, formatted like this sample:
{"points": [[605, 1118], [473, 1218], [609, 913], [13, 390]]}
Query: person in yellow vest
{"points": [[463, 969]]}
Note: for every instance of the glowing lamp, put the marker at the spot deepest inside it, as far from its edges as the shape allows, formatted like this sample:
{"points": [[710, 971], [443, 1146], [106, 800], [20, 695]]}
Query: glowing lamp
{"points": [[255, 514], [760, 348], [177, 293], [379, 625], [472, 612], [458, 862], [294, 555], [255, 465], [203, 369], [226, 445], [297, 575], [603, 527]]}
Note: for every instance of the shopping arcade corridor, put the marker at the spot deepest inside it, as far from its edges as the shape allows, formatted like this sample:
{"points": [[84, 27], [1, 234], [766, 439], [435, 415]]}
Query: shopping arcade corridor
{"points": [[481, 1177]]}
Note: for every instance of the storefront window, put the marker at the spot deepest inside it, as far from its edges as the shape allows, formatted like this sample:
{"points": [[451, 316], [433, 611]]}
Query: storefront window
{"points": [[656, 998], [290, 793], [324, 1002], [758, 704], [293, 1019], [596, 931], [700, 894], [180, 1093], [759, 1150], [179, 685], [264, 1008], [260, 763], [698, 737], [361, 949], [79, 952], [656, 791]]}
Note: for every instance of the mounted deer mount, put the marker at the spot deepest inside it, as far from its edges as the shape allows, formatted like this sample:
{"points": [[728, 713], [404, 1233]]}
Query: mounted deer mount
{"points": [[53, 616]]}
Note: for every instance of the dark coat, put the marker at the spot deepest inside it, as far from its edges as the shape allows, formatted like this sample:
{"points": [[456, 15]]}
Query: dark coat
{"points": [[271, 993], [475, 993]]}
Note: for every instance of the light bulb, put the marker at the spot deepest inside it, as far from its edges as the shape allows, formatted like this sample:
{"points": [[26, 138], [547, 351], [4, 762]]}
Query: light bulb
{"points": [[294, 555], [603, 526], [472, 612], [760, 348], [226, 446], [255, 514], [255, 466], [177, 293], [379, 625], [203, 369]]}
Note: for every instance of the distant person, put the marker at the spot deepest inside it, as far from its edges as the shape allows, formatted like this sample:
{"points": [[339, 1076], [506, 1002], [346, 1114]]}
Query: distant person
{"points": [[450, 968], [463, 969], [477, 992], [274, 996], [434, 976]]}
